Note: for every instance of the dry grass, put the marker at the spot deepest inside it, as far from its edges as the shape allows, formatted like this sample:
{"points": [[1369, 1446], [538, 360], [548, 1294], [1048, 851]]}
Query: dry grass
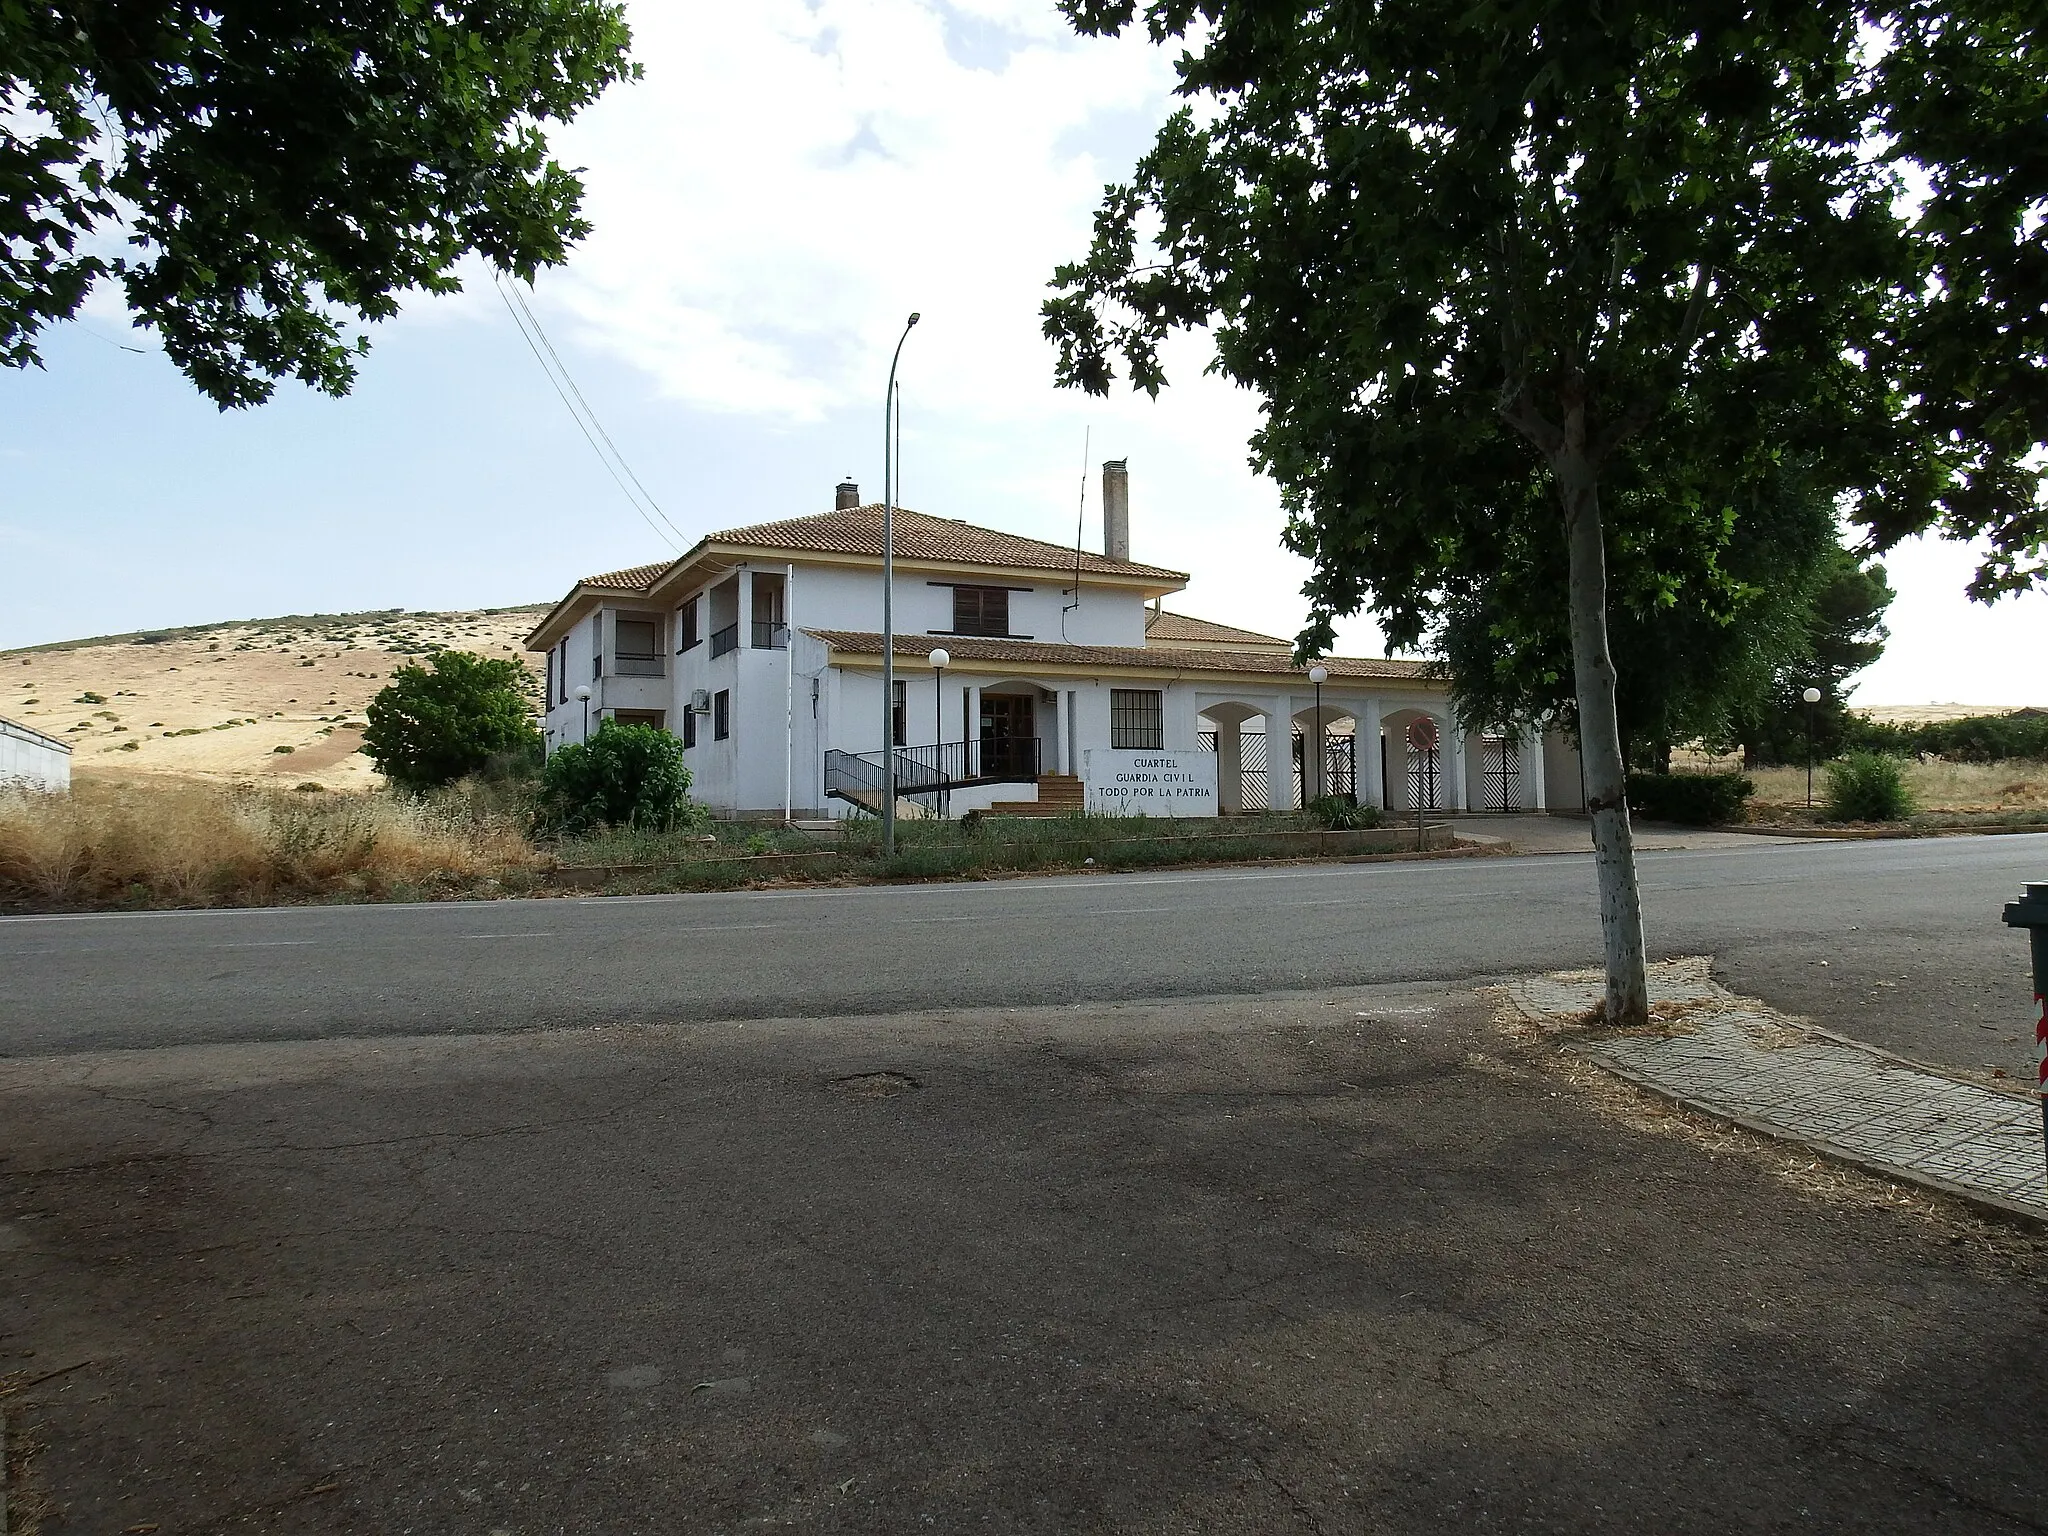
{"points": [[1936, 786], [184, 843]]}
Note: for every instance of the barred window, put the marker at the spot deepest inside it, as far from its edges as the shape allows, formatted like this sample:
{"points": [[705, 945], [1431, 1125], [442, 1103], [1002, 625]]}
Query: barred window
{"points": [[1137, 718]]}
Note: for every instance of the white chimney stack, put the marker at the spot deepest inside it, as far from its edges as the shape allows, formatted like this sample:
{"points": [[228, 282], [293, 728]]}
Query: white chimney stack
{"points": [[1116, 509]]}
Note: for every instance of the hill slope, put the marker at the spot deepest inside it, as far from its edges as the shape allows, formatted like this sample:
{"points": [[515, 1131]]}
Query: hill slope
{"points": [[218, 701]]}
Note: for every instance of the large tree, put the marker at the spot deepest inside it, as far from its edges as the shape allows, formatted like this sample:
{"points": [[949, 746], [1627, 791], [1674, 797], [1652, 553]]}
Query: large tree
{"points": [[1447, 244], [1844, 632], [1708, 621], [256, 174]]}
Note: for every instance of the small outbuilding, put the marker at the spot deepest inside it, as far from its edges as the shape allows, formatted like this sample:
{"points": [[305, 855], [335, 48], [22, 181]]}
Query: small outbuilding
{"points": [[31, 760]]}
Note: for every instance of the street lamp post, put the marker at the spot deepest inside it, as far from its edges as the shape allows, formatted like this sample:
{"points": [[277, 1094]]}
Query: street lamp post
{"points": [[583, 693], [939, 658], [889, 468], [1319, 675], [1812, 697]]}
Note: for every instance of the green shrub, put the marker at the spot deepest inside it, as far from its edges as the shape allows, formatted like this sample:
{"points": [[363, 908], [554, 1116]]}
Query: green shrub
{"points": [[624, 776], [1691, 799], [1868, 786], [1340, 813], [430, 726]]}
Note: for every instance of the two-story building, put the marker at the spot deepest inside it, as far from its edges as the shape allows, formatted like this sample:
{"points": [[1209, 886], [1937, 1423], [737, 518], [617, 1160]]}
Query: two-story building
{"points": [[1028, 676]]}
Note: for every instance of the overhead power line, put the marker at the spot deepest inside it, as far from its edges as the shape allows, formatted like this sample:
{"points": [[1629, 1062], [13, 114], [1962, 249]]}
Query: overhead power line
{"points": [[585, 417]]}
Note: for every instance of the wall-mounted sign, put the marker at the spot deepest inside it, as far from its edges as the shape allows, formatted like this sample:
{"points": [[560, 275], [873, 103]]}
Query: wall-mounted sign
{"points": [[1122, 783]]}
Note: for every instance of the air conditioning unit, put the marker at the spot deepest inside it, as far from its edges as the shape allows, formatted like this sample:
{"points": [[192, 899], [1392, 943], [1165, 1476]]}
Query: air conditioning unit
{"points": [[700, 701]]}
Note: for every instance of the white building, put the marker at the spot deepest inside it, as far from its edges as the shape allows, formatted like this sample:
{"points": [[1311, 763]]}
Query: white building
{"points": [[1065, 682], [31, 760]]}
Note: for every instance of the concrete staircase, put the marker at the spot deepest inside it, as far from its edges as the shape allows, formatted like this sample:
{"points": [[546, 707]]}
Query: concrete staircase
{"points": [[1059, 794]]}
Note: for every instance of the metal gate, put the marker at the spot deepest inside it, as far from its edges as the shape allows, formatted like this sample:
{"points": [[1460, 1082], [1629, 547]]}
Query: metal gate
{"points": [[1340, 767], [1423, 777], [1500, 773]]}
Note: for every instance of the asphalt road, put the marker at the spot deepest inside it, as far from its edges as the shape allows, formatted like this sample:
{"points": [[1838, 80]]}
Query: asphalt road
{"points": [[1346, 1263], [1896, 942]]}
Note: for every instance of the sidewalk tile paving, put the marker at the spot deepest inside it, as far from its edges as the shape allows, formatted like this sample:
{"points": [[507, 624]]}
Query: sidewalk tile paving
{"points": [[1742, 1060]]}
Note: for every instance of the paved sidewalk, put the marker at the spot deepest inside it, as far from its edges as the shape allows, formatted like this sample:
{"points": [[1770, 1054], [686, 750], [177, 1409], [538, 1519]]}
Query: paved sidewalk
{"points": [[1743, 1061]]}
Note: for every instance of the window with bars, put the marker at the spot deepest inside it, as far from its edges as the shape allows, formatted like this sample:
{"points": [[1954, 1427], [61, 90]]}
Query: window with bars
{"points": [[899, 714], [1137, 719], [981, 611]]}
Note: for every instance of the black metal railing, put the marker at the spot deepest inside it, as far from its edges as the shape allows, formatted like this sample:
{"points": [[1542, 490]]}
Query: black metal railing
{"points": [[857, 776], [770, 636], [723, 640], [625, 664]]}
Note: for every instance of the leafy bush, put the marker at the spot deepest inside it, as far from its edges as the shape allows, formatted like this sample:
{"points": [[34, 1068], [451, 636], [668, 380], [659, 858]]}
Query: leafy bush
{"points": [[2022, 734], [1868, 786], [624, 776], [431, 725], [1691, 799], [1340, 813]]}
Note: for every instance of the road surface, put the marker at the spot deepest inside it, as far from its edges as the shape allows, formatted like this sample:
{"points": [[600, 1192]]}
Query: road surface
{"points": [[1898, 943]]}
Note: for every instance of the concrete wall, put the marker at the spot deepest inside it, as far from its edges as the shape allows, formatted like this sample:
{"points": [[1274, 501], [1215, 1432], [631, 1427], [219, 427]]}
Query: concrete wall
{"points": [[31, 760]]}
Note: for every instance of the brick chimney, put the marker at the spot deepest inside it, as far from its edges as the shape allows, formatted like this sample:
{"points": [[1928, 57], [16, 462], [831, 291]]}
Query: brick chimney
{"points": [[845, 495], [1116, 509]]}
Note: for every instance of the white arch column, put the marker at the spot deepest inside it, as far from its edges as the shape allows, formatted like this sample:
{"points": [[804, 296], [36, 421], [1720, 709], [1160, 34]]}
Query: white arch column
{"points": [[1280, 753], [1534, 795], [1367, 746]]}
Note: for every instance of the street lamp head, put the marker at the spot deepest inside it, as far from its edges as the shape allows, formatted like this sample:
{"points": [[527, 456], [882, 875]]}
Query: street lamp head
{"points": [[941, 657], [1812, 695], [583, 693], [1319, 674], [914, 318]]}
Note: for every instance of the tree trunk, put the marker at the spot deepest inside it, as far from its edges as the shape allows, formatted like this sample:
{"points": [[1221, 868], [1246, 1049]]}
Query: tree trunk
{"points": [[1614, 854]]}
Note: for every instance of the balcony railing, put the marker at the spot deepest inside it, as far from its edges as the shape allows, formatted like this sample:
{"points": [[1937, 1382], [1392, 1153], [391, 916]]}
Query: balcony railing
{"points": [[723, 640], [770, 636], [624, 665]]}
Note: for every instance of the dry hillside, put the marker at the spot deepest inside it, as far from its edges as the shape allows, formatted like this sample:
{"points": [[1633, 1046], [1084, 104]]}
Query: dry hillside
{"points": [[221, 701]]}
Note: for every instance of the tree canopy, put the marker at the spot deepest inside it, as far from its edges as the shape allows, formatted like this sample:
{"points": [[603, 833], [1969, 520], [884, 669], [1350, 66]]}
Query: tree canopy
{"points": [[432, 725], [1657, 251], [253, 174]]}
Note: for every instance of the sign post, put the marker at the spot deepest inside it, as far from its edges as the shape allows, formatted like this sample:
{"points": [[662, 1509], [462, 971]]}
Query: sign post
{"points": [[2031, 912], [1422, 737]]}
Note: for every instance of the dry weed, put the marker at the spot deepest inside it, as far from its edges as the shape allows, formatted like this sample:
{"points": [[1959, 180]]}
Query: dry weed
{"points": [[1936, 786], [185, 843]]}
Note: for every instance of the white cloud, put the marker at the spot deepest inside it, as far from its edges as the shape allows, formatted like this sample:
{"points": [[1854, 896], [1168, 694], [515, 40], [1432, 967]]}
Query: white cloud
{"points": [[790, 180]]}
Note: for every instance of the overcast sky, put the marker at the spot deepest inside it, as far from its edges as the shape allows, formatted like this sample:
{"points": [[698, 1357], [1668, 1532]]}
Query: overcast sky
{"points": [[786, 184]]}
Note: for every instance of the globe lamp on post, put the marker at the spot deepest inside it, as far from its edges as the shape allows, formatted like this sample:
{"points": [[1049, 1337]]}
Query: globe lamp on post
{"points": [[940, 659], [1319, 675], [583, 694], [1812, 697]]}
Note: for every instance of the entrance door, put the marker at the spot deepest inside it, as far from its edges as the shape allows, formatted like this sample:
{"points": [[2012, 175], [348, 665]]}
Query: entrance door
{"points": [[1008, 726]]}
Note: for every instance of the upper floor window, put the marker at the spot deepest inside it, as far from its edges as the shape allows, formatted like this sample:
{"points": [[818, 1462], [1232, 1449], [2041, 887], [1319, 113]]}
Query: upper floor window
{"points": [[1136, 719], [637, 647], [981, 610], [686, 624]]}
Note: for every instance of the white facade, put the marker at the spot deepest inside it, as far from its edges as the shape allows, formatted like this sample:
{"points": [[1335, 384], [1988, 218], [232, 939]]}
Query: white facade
{"points": [[31, 760], [760, 649]]}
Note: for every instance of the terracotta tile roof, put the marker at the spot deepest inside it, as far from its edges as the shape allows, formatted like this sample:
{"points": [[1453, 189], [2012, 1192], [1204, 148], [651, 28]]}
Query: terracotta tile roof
{"points": [[858, 531], [1152, 657], [1162, 628], [634, 578]]}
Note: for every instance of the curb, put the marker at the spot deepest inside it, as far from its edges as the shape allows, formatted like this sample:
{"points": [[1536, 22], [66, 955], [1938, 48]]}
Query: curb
{"points": [[2031, 1217]]}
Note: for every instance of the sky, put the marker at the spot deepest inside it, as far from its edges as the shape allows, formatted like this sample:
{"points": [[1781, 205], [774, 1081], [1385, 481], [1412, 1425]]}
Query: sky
{"points": [[788, 182]]}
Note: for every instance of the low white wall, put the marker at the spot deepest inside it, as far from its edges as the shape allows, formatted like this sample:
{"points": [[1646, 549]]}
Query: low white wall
{"points": [[32, 760]]}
